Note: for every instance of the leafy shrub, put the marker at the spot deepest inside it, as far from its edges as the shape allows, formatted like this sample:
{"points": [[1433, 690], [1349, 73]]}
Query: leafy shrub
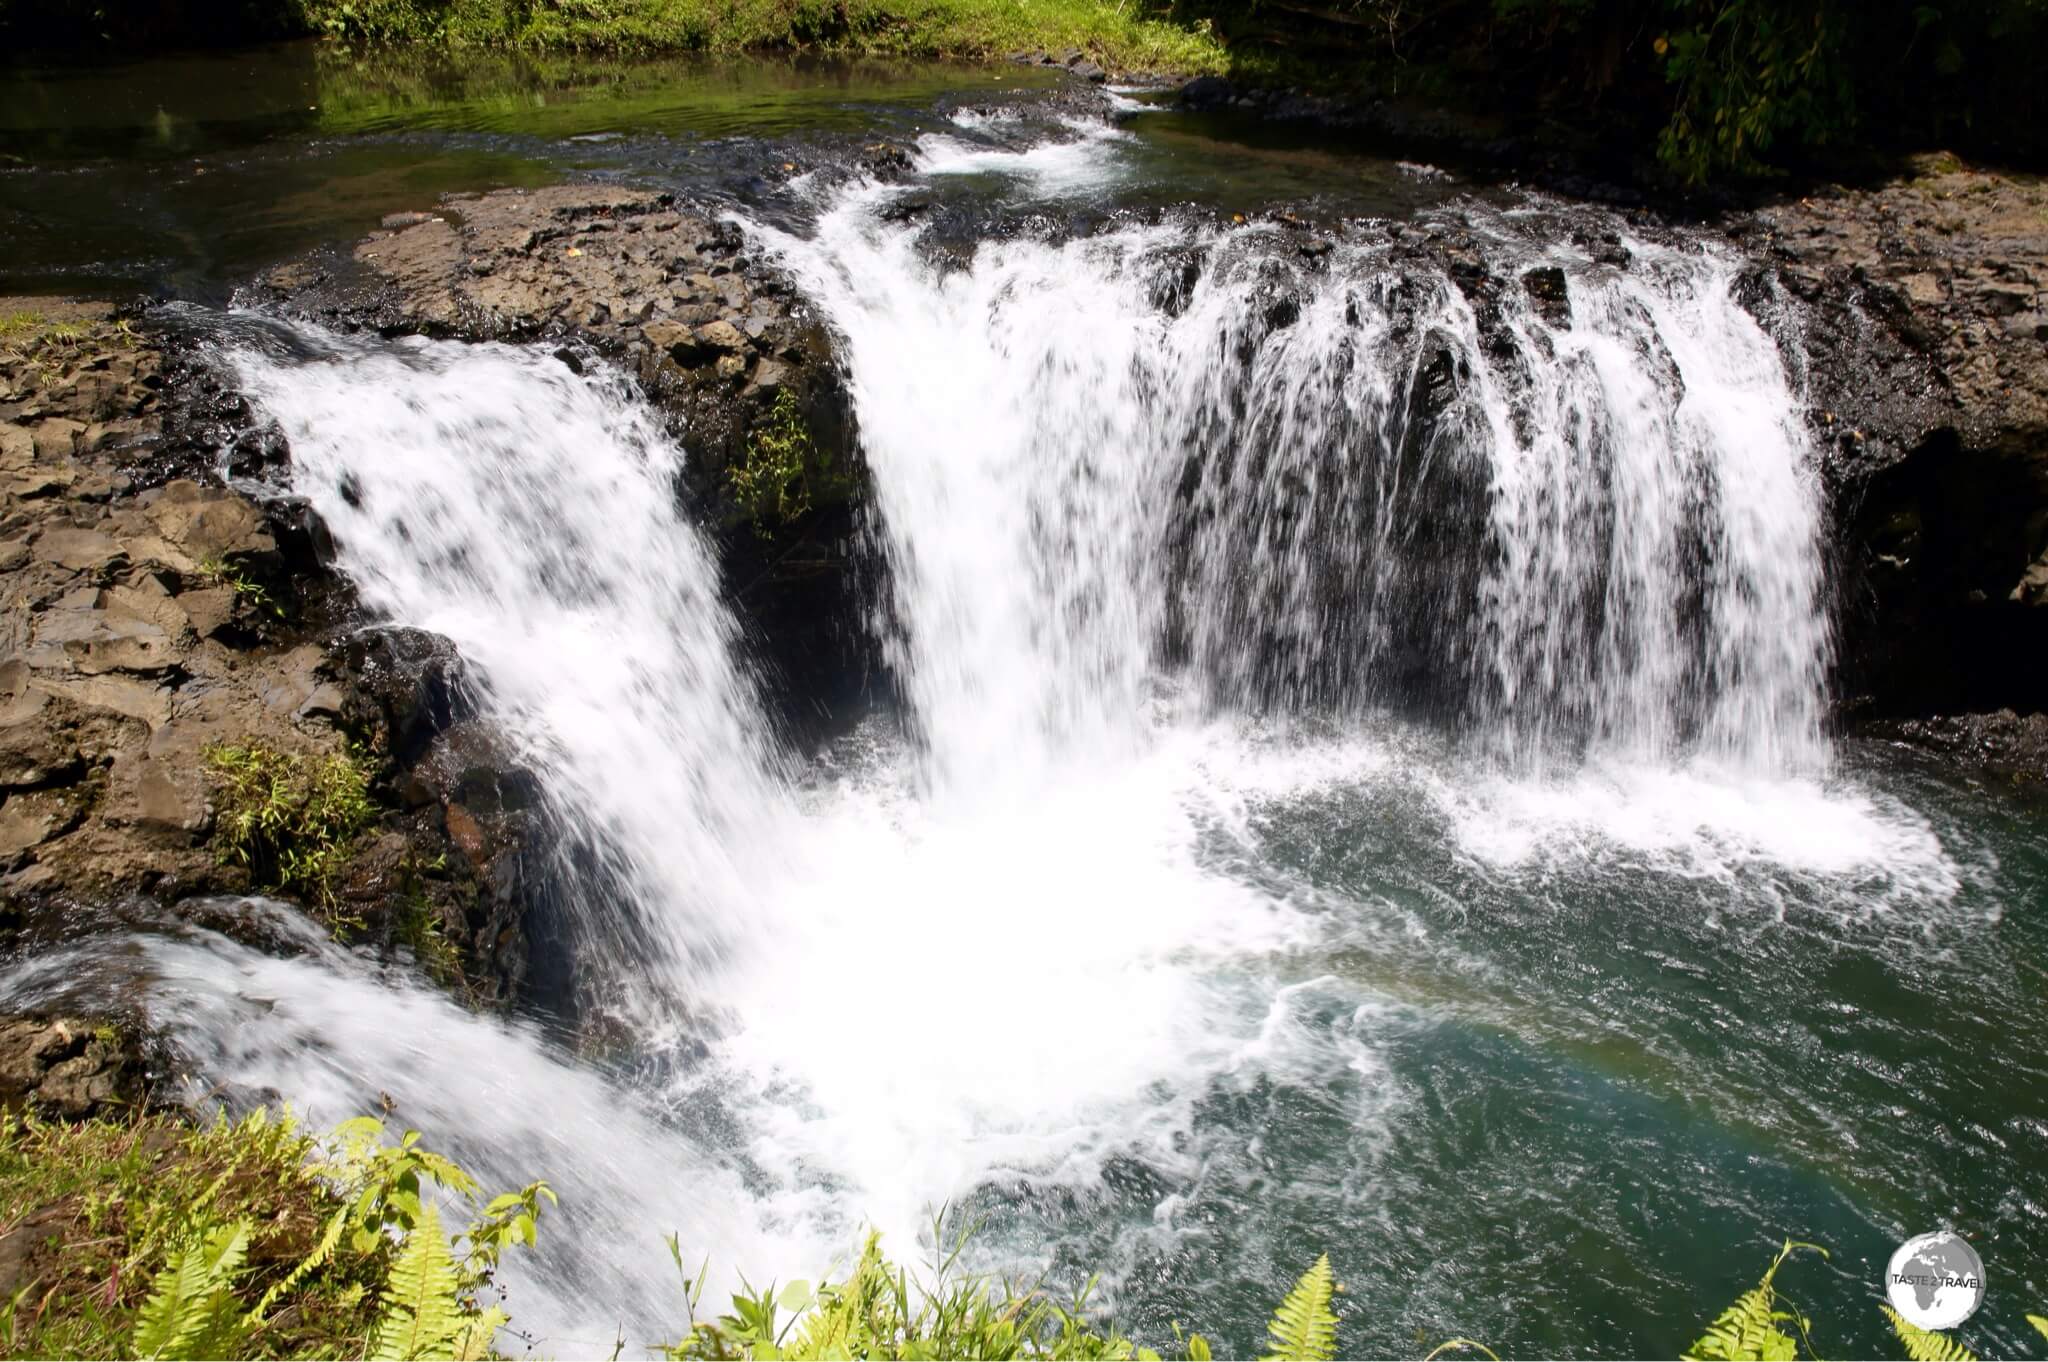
{"points": [[1749, 73], [149, 1237], [291, 819]]}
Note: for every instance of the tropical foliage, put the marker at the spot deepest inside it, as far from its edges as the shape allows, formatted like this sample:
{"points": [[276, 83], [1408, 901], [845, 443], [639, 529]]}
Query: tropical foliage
{"points": [[773, 483], [150, 1237], [153, 1238], [1753, 1327]]}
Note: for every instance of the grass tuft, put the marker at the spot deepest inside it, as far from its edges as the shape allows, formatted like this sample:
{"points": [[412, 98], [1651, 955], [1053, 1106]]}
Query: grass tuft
{"points": [[291, 819]]}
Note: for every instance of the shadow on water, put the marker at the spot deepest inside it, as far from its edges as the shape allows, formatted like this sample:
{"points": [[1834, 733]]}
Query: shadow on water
{"points": [[187, 174]]}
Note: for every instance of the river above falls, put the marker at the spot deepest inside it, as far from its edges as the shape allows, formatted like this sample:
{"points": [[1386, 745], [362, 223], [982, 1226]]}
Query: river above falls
{"points": [[186, 175], [1180, 965]]}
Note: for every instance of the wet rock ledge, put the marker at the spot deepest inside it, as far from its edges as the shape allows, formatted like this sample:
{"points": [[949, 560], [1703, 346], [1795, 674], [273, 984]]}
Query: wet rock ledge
{"points": [[1927, 346], [155, 620], [715, 336]]}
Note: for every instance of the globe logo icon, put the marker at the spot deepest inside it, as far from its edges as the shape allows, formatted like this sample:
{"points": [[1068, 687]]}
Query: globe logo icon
{"points": [[1935, 1281]]}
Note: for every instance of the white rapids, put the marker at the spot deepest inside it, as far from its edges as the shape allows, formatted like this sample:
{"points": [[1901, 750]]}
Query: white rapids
{"points": [[1178, 529]]}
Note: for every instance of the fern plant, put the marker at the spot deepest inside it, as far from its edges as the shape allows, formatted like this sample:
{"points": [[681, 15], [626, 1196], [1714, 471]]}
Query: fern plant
{"points": [[1303, 1328], [1926, 1345], [422, 1316], [192, 1311], [1748, 1330]]}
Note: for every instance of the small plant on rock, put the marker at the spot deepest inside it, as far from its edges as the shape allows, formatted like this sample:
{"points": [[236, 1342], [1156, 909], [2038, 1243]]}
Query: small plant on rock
{"points": [[289, 818], [773, 482], [217, 572]]}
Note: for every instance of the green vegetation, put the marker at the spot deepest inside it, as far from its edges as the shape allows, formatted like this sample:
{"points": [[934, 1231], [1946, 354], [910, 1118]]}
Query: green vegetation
{"points": [[152, 1238], [1716, 88], [775, 482], [969, 29], [1750, 1328], [291, 819], [1303, 1325], [1709, 89], [215, 572], [1925, 1345], [41, 347]]}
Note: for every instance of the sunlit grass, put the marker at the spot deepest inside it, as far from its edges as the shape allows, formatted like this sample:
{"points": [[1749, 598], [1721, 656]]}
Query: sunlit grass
{"points": [[1115, 34]]}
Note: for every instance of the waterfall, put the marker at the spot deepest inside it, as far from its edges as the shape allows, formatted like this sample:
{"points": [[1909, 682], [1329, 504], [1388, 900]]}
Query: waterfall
{"points": [[529, 514], [1148, 497], [1332, 480]]}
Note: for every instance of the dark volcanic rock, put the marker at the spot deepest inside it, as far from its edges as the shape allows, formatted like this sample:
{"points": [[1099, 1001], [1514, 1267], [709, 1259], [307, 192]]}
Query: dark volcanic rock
{"points": [[1548, 292], [666, 293], [1207, 92], [2003, 743], [714, 336], [70, 1067], [1930, 396], [156, 613]]}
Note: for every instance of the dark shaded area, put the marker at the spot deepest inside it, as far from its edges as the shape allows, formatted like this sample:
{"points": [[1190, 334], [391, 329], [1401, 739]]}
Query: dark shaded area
{"points": [[103, 25], [1697, 89]]}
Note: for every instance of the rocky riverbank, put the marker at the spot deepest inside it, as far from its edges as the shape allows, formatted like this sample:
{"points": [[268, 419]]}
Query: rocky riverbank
{"points": [[166, 634], [1926, 340], [186, 678], [159, 618]]}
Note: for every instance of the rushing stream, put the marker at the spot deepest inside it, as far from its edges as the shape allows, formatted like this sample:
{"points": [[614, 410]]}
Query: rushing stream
{"points": [[1359, 785]]}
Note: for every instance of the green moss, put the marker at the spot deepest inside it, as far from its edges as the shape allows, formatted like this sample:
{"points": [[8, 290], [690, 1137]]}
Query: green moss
{"points": [[291, 819], [418, 926]]}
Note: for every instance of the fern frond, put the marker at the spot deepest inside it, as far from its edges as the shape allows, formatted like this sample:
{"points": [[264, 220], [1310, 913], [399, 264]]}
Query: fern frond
{"points": [[421, 1318], [1926, 1345], [1456, 1344], [1303, 1329], [322, 1251], [189, 1303], [1748, 1331]]}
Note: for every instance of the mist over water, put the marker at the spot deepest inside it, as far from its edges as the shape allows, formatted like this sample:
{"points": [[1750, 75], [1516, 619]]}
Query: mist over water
{"points": [[1360, 787]]}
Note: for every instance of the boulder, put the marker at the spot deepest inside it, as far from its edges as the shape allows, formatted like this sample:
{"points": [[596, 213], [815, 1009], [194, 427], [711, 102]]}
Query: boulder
{"points": [[69, 1066]]}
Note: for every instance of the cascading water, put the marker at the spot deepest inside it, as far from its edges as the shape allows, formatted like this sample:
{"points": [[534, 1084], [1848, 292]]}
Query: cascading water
{"points": [[1337, 481], [1162, 943], [529, 515]]}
